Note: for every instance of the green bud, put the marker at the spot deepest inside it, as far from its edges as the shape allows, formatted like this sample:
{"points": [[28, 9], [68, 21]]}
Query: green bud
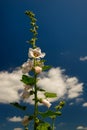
{"points": [[33, 23], [30, 13], [62, 103]]}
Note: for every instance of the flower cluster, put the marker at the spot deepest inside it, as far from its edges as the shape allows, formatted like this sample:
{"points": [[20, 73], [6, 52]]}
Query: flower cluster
{"points": [[30, 65], [35, 64]]}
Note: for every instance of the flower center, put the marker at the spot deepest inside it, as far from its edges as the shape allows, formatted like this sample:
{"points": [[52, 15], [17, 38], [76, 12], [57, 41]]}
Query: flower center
{"points": [[36, 54]]}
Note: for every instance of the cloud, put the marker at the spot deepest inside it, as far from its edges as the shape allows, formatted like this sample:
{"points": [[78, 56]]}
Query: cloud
{"points": [[56, 81], [18, 129], [62, 124], [10, 86], [15, 119], [83, 58], [84, 104], [53, 81], [81, 128]]}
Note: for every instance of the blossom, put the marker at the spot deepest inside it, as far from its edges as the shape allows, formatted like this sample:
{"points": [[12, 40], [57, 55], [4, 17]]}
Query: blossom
{"points": [[39, 63], [45, 102], [35, 53], [25, 120], [27, 66], [38, 69]]}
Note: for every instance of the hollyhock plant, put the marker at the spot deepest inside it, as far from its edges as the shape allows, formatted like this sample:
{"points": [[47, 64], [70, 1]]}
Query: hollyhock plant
{"points": [[35, 64]]}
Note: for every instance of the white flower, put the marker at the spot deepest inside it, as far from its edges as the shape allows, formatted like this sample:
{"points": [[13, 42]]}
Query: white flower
{"points": [[27, 66], [45, 102], [25, 120], [38, 69], [35, 53]]}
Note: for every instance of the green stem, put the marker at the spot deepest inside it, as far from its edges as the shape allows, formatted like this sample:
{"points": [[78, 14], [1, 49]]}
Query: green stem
{"points": [[36, 103], [53, 122], [26, 128]]}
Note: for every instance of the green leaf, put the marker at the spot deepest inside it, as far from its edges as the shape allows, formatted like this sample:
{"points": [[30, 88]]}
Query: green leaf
{"points": [[49, 113], [46, 67], [28, 80], [17, 105], [50, 95], [44, 126], [40, 89], [43, 61]]}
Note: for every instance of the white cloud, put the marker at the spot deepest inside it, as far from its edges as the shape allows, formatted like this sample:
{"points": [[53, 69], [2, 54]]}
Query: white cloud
{"points": [[66, 87], [83, 58], [84, 104], [15, 119], [71, 103], [53, 81], [62, 124], [18, 129], [78, 100], [81, 128], [10, 85]]}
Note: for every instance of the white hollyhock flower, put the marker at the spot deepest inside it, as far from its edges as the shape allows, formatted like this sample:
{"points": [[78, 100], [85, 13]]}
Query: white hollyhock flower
{"points": [[27, 66], [38, 69], [45, 102], [25, 120], [35, 53]]}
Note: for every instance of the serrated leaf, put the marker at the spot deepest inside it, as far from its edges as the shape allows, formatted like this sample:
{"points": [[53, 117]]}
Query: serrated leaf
{"points": [[46, 67], [50, 95], [28, 80], [49, 113], [44, 126], [17, 105]]}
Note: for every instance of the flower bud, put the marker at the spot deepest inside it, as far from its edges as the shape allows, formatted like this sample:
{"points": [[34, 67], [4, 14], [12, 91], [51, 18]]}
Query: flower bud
{"points": [[38, 69], [45, 102]]}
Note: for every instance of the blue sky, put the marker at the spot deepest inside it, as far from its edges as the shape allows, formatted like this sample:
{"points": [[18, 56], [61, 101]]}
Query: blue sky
{"points": [[63, 37]]}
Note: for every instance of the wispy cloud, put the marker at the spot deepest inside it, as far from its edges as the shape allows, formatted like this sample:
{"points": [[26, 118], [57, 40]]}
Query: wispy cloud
{"points": [[81, 128], [84, 104], [83, 58], [14, 119], [18, 129], [53, 81], [62, 124]]}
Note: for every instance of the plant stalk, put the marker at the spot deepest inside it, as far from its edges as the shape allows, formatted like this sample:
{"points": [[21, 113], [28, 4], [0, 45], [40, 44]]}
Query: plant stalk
{"points": [[36, 102], [53, 124]]}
